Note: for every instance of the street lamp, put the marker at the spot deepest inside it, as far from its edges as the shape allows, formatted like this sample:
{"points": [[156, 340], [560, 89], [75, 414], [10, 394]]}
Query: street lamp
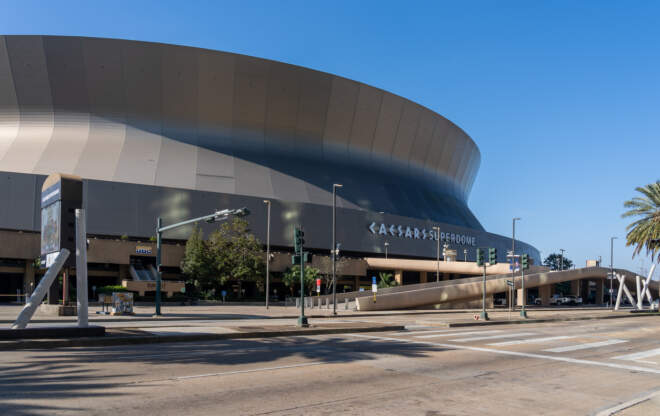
{"points": [[211, 218], [465, 254], [611, 267], [513, 260], [437, 238], [561, 259], [386, 245], [267, 202], [334, 246]]}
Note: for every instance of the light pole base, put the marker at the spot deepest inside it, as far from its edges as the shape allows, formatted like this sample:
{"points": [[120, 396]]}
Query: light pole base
{"points": [[523, 314], [302, 322], [484, 315]]}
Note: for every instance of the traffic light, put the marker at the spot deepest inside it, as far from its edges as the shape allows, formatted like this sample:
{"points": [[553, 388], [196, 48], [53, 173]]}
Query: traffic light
{"points": [[524, 261], [480, 257], [492, 256], [298, 240]]}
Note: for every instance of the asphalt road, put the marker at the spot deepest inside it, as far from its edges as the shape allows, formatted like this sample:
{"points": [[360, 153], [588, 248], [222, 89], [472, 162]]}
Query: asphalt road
{"points": [[569, 368]]}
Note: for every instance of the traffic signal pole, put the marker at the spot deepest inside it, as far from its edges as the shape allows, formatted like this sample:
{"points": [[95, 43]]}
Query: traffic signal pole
{"points": [[484, 314], [298, 243], [524, 264]]}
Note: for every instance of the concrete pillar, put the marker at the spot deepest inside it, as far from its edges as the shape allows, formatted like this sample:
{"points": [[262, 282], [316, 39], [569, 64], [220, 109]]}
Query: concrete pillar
{"points": [[398, 276], [28, 278], [545, 292], [520, 296], [600, 298], [357, 283], [575, 287], [423, 278], [585, 289]]}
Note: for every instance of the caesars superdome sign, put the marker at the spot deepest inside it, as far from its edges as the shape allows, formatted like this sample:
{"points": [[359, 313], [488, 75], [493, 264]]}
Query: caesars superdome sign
{"points": [[423, 234]]}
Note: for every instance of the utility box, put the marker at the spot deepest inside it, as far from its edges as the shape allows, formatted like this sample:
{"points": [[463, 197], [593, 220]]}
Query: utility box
{"points": [[61, 195]]}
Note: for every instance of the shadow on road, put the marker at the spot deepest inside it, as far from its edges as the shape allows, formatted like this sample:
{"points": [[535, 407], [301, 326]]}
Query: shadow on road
{"points": [[95, 372]]}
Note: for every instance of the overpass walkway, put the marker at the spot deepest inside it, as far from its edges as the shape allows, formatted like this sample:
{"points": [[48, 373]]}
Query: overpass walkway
{"points": [[423, 294]]}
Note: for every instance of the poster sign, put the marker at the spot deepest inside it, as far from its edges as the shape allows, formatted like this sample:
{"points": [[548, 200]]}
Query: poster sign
{"points": [[122, 303], [318, 285]]}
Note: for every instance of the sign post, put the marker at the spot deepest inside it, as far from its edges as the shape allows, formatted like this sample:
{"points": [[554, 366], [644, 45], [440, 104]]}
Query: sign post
{"points": [[374, 287]]}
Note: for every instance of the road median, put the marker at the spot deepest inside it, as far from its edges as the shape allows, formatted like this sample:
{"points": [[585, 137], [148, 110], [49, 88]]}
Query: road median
{"points": [[117, 336]]}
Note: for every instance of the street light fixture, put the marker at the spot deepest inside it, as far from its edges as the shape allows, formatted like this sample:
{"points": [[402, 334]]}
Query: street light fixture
{"points": [[611, 268], [513, 260], [211, 218], [386, 245], [561, 259], [334, 246], [437, 238], [267, 202]]}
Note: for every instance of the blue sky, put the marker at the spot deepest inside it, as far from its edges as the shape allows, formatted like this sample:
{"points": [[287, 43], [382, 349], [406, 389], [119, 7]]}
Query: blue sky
{"points": [[562, 98]]}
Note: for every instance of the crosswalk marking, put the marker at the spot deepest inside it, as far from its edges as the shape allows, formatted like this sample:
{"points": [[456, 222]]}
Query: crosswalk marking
{"points": [[452, 331], [639, 355], [510, 335], [531, 341], [577, 347], [517, 354], [461, 334]]}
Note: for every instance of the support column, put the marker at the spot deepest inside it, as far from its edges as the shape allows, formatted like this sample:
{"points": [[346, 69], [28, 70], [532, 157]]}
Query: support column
{"points": [[600, 283], [520, 296], [423, 278], [575, 287], [398, 276], [28, 278], [357, 283], [545, 292]]}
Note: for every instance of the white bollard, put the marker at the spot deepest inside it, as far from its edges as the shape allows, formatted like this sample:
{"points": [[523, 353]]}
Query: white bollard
{"points": [[81, 269]]}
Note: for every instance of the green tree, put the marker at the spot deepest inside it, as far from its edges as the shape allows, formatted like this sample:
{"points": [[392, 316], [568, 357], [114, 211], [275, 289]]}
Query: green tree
{"points": [[236, 253], [386, 280], [644, 233], [554, 261], [197, 264], [291, 278]]}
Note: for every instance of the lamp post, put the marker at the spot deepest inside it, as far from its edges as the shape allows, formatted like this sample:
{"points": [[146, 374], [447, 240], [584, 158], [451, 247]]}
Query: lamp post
{"points": [[386, 245], [267, 202], [211, 218], [513, 259], [611, 267], [437, 268], [561, 259], [465, 254], [334, 246]]}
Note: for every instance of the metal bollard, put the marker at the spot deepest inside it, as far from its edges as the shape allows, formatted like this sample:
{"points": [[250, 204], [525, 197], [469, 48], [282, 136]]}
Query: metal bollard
{"points": [[297, 303], [345, 303]]}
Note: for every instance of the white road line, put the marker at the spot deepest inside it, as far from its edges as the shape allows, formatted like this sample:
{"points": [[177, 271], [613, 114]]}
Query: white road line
{"points": [[577, 347], [509, 335], [254, 370], [616, 409], [531, 341], [516, 353], [448, 331], [639, 355], [461, 333]]}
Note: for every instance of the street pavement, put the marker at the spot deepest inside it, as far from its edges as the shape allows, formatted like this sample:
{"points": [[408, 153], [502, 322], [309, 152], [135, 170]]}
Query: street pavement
{"points": [[594, 367]]}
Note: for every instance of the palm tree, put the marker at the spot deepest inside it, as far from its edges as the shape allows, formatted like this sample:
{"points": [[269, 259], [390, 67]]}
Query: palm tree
{"points": [[386, 280], [645, 231]]}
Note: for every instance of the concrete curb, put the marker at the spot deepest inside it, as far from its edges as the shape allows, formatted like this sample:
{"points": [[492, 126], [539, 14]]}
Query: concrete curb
{"points": [[543, 320], [357, 314], [158, 339]]}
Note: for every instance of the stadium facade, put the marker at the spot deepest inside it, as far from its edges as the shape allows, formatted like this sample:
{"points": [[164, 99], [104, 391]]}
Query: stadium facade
{"points": [[178, 132]]}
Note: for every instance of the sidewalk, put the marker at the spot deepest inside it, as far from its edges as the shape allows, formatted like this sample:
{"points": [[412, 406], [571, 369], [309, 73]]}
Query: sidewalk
{"points": [[8, 313]]}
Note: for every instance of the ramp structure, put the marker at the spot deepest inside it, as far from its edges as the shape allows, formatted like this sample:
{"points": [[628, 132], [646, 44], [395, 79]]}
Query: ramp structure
{"points": [[425, 294]]}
